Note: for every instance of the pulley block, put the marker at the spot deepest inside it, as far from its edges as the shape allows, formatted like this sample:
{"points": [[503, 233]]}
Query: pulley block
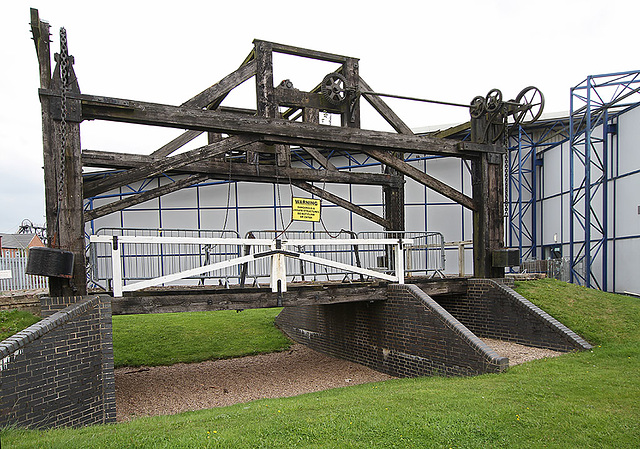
{"points": [[334, 89]]}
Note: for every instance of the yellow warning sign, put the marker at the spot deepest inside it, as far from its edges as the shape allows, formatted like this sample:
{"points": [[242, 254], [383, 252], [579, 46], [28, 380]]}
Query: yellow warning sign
{"points": [[305, 209]]}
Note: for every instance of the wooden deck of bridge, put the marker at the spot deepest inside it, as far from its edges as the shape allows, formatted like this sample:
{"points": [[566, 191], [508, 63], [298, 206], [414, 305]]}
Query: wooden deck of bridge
{"points": [[208, 298]]}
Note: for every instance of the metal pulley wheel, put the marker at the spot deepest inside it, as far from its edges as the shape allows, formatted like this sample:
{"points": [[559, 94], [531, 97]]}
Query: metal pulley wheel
{"points": [[494, 100], [286, 83], [334, 88], [477, 107], [530, 105]]}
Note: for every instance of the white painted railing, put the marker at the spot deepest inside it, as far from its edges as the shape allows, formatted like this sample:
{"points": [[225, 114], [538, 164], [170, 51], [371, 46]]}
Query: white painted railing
{"points": [[279, 249]]}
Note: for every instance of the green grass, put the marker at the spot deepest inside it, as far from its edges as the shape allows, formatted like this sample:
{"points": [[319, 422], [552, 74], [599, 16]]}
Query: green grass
{"points": [[579, 400], [13, 321], [169, 338]]}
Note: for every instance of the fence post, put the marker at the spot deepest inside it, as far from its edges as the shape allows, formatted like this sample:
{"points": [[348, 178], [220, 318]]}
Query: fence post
{"points": [[400, 261], [116, 268]]}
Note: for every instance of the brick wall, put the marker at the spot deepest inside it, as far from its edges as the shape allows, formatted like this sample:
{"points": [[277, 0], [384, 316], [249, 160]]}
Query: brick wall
{"points": [[59, 372], [493, 310], [407, 335]]}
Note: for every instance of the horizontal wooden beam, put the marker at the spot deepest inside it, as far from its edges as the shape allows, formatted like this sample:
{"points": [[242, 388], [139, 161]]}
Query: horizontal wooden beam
{"points": [[270, 130], [358, 210], [138, 198], [240, 171], [305, 53], [205, 298], [157, 166]]}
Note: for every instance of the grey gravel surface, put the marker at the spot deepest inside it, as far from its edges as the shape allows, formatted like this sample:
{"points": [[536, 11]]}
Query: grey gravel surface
{"points": [[164, 390]]}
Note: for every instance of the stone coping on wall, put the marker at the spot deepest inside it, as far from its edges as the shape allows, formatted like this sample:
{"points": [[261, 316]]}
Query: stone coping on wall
{"points": [[42, 327]]}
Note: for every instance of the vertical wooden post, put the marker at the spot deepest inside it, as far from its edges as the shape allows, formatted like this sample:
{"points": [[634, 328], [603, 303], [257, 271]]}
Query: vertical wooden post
{"points": [[350, 118], [266, 105], [487, 186], [65, 224]]}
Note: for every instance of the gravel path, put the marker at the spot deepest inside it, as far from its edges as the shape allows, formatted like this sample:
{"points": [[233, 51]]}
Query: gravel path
{"points": [[166, 390]]}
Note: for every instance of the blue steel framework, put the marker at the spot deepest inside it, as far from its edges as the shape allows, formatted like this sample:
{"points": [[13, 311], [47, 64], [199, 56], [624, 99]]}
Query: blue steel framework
{"points": [[524, 160], [595, 105]]}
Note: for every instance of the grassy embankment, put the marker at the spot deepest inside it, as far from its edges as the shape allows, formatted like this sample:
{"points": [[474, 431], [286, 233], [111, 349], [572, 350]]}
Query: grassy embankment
{"points": [[588, 399], [13, 321]]}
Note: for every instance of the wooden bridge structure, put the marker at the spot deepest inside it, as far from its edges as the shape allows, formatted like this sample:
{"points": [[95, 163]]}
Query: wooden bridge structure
{"points": [[250, 146]]}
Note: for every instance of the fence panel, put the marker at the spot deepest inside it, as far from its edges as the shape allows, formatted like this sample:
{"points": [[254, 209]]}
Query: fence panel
{"points": [[553, 268], [148, 261], [426, 255], [19, 280], [299, 270]]}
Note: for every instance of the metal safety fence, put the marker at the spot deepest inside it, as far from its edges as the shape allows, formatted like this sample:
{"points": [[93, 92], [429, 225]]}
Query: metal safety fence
{"points": [[552, 268], [424, 256], [151, 260], [300, 270], [338, 251]]}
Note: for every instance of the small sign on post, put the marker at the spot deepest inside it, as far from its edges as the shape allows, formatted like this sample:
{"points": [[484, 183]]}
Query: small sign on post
{"points": [[305, 209]]}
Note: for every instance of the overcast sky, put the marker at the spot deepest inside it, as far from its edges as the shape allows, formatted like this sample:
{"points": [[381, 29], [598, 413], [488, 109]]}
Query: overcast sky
{"points": [[439, 50]]}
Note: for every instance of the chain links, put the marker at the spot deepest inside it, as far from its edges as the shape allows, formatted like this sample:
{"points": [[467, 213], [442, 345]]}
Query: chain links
{"points": [[64, 78], [506, 170]]}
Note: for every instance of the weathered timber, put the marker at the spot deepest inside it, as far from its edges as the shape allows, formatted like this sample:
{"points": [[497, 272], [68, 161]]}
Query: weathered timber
{"points": [[384, 110], [423, 178], [266, 104], [488, 219], [310, 115], [209, 98], [295, 98], [176, 143], [50, 145], [319, 157], [351, 115], [198, 299], [188, 136], [223, 87], [305, 53], [342, 203], [158, 166], [142, 197], [62, 167], [271, 130], [240, 171]]}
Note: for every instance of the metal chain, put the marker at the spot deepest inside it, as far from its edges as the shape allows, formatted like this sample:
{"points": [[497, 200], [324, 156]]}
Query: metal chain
{"points": [[506, 170], [64, 78]]}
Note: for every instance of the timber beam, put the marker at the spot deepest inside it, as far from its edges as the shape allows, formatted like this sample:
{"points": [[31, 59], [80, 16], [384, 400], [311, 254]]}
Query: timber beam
{"points": [[270, 130], [423, 178], [358, 210], [198, 299], [234, 171], [157, 166]]}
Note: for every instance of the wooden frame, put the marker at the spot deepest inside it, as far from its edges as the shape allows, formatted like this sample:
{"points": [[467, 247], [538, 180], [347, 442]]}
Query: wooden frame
{"points": [[263, 136]]}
